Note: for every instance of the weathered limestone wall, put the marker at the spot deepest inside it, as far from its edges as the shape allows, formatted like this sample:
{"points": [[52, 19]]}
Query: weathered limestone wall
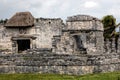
{"points": [[5, 39], [99, 42], [83, 22], [52, 33], [92, 43], [81, 32], [37, 61], [45, 30], [64, 44], [75, 48], [7, 34], [93, 37]]}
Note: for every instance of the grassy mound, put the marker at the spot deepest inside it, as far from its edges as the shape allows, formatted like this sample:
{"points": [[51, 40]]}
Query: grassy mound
{"points": [[101, 76]]}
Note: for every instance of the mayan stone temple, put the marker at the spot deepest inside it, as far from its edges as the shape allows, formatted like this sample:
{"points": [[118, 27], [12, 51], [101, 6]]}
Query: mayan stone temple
{"points": [[48, 45]]}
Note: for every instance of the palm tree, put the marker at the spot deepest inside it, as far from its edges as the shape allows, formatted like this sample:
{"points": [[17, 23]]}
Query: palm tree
{"points": [[110, 25]]}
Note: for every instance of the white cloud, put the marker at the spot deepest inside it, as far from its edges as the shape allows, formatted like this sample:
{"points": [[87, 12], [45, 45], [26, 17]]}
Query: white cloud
{"points": [[60, 8], [115, 11], [91, 4]]}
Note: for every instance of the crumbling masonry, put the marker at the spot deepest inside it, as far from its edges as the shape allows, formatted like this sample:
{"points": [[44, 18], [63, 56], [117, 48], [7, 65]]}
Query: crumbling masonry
{"points": [[45, 45]]}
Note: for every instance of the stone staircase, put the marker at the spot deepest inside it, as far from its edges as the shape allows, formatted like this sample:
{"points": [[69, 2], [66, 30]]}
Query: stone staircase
{"points": [[44, 60]]}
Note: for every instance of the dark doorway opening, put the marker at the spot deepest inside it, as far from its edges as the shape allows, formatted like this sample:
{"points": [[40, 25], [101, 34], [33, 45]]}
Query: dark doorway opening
{"points": [[23, 45], [79, 43]]}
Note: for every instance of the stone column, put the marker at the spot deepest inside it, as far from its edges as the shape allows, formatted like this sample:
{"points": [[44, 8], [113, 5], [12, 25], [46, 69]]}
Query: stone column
{"points": [[105, 47], [118, 46], [33, 44], [118, 43], [113, 45], [14, 47], [108, 46]]}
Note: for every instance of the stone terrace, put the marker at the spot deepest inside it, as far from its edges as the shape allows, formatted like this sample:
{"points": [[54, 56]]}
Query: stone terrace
{"points": [[46, 62]]}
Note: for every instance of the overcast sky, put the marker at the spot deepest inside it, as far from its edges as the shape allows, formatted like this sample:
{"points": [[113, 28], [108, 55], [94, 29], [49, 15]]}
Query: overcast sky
{"points": [[60, 8]]}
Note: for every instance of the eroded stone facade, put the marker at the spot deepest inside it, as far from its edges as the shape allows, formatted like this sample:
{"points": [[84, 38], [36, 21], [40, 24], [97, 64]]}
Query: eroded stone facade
{"points": [[81, 35], [76, 47]]}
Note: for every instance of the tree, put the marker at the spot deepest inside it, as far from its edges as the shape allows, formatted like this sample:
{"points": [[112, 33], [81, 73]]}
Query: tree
{"points": [[3, 21], [109, 23]]}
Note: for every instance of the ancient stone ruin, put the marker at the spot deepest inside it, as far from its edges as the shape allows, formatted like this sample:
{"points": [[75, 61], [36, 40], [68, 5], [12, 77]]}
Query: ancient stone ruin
{"points": [[48, 45]]}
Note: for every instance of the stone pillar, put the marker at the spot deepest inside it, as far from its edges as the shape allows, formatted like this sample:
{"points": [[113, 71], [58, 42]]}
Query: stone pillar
{"points": [[55, 40], [118, 43], [14, 47], [108, 46], [33, 44], [113, 45], [53, 44], [118, 46], [105, 47]]}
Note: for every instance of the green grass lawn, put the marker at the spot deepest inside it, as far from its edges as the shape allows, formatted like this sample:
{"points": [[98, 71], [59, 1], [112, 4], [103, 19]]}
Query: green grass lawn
{"points": [[101, 76]]}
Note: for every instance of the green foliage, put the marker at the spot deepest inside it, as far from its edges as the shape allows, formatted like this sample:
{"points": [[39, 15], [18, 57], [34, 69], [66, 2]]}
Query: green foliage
{"points": [[109, 20], [3, 21], [101, 76], [109, 23]]}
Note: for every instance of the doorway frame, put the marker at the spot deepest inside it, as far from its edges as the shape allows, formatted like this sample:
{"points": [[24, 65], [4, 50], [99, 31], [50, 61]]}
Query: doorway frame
{"points": [[20, 41], [15, 44]]}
